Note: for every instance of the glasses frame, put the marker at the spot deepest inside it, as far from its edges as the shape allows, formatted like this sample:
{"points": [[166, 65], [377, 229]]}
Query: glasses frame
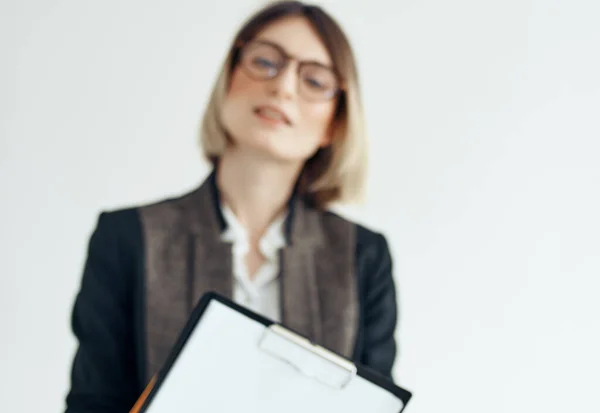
{"points": [[241, 46]]}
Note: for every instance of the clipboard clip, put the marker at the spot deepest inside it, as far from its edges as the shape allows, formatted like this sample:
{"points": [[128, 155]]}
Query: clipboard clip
{"points": [[309, 359]]}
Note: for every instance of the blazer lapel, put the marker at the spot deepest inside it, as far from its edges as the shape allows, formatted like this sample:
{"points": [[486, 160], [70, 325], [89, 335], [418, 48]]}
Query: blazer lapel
{"points": [[319, 291], [211, 267], [300, 308], [184, 258]]}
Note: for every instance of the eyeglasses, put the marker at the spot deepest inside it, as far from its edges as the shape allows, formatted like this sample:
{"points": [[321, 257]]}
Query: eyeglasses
{"points": [[263, 60]]}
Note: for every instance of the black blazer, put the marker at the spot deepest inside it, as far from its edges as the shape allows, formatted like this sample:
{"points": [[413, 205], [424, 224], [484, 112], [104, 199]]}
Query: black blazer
{"points": [[118, 337]]}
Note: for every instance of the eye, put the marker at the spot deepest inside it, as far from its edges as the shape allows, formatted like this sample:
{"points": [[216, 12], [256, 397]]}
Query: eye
{"points": [[264, 62], [318, 78], [314, 83]]}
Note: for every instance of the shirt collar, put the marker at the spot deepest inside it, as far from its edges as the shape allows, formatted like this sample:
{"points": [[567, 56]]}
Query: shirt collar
{"points": [[272, 240]]}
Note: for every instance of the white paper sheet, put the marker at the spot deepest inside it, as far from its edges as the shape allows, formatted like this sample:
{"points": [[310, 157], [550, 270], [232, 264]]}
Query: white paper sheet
{"points": [[222, 369]]}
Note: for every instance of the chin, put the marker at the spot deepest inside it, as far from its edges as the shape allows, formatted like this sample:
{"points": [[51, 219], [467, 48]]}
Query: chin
{"points": [[272, 148], [274, 144], [275, 153]]}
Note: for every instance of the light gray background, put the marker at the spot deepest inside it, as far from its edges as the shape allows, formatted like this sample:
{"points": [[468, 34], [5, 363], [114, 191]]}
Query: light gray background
{"points": [[484, 124]]}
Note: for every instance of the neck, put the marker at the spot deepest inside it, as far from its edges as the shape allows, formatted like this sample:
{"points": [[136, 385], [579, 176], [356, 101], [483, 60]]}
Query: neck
{"points": [[256, 189]]}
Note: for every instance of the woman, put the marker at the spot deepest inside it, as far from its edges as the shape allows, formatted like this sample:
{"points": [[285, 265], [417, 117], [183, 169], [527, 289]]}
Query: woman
{"points": [[283, 130]]}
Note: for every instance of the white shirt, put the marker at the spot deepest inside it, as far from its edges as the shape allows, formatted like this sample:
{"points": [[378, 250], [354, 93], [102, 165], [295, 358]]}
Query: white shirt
{"points": [[261, 294]]}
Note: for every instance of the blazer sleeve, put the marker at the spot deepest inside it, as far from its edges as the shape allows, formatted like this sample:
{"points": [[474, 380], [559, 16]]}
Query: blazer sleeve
{"points": [[103, 374], [380, 306]]}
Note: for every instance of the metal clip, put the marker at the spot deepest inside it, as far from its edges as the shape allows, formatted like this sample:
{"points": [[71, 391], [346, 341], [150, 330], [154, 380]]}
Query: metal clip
{"points": [[311, 360]]}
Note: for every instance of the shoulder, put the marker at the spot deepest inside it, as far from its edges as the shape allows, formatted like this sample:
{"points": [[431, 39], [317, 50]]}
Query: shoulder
{"points": [[127, 213], [372, 257], [131, 218], [122, 223], [370, 244]]}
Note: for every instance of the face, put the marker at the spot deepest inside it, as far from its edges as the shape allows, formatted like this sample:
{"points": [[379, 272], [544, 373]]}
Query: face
{"points": [[271, 117]]}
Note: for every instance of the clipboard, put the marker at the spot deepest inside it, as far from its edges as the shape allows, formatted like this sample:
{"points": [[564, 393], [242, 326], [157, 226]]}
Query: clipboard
{"points": [[230, 359]]}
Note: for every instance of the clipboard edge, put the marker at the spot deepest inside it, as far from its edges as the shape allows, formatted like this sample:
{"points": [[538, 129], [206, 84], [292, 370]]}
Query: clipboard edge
{"points": [[155, 382]]}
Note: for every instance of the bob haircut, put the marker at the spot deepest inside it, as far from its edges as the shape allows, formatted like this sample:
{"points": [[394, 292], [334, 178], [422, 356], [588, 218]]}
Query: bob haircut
{"points": [[336, 173]]}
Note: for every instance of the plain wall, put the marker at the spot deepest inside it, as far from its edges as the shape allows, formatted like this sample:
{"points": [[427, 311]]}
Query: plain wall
{"points": [[484, 126]]}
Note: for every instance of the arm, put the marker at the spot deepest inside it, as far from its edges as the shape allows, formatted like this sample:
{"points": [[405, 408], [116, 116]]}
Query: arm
{"points": [[103, 376], [380, 306]]}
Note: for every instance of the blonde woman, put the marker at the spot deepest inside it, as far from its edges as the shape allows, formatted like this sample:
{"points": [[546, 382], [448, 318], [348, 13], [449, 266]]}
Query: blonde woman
{"points": [[284, 132]]}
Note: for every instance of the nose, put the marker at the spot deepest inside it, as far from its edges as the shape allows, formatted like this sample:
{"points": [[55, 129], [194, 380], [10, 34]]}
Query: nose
{"points": [[284, 85]]}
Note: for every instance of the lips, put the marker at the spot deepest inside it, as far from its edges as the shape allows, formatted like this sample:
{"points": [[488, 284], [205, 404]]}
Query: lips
{"points": [[272, 113]]}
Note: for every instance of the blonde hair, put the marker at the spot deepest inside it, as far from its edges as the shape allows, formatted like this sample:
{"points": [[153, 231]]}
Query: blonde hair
{"points": [[337, 173]]}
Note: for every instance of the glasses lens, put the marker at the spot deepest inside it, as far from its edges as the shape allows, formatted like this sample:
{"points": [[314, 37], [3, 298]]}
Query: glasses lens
{"points": [[318, 82], [262, 61]]}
